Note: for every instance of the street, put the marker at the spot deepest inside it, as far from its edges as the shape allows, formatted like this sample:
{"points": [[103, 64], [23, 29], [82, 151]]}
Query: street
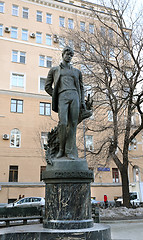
{"points": [[126, 230]]}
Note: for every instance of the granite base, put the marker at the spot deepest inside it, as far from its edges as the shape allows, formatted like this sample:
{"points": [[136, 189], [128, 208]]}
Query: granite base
{"points": [[37, 232]]}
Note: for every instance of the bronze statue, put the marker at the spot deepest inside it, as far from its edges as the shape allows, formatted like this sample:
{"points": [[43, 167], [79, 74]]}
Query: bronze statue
{"points": [[67, 100]]}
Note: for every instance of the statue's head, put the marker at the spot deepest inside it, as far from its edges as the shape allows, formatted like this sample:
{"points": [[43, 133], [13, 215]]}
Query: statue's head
{"points": [[69, 50]]}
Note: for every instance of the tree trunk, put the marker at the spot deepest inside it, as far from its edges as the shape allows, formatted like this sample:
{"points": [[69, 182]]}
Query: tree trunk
{"points": [[125, 186]]}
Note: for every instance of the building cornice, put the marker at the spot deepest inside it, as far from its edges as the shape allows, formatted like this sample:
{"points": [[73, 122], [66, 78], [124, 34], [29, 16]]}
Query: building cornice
{"points": [[106, 184], [25, 94], [22, 184]]}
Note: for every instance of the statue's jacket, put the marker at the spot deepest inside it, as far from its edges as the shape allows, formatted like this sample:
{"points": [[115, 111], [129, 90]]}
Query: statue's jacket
{"points": [[54, 77]]}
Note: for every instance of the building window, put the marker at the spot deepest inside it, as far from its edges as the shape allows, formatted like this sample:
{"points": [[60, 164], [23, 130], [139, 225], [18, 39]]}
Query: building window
{"points": [[18, 57], [48, 18], [1, 7], [89, 142], [15, 138], [110, 116], [115, 175], [82, 26], [48, 39], [44, 138], [14, 32], [42, 168], [42, 83], [70, 23], [13, 173], [1, 30], [24, 34], [16, 105], [136, 174], [39, 16], [61, 21], [126, 55], [91, 28], [45, 61], [15, 9], [61, 42], [45, 109], [71, 43], [83, 46], [110, 33], [25, 12], [17, 80], [38, 37]]}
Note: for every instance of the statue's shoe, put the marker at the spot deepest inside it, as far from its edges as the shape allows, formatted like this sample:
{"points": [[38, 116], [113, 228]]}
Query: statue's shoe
{"points": [[70, 156], [60, 154]]}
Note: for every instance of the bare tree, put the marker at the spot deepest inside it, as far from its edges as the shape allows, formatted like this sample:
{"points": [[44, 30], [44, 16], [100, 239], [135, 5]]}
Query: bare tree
{"points": [[110, 54]]}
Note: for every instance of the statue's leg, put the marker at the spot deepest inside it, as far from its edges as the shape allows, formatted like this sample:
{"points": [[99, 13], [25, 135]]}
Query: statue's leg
{"points": [[63, 120], [72, 125]]}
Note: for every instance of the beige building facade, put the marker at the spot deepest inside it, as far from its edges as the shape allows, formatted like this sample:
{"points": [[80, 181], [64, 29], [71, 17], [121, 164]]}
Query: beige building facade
{"points": [[31, 42]]}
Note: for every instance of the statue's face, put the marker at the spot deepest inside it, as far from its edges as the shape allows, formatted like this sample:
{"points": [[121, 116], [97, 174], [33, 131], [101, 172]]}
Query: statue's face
{"points": [[67, 56]]}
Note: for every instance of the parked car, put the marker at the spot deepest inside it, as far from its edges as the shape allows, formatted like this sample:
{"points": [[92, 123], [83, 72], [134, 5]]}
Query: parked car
{"points": [[28, 202], [134, 199], [94, 202]]}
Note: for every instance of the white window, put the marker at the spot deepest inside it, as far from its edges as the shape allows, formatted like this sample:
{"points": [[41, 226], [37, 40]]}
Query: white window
{"points": [[18, 56], [48, 18], [61, 42], [17, 80], [16, 106], [1, 30], [15, 138], [89, 142], [61, 21], [38, 37], [48, 39], [25, 12], [70, 23], [136, 174], [45, 61], [42, 83], [45, 108], [91, 28], [1, 7], [14, 32], [115, 175], [44, 138], [39, 16], [82, 26], [24, 34], [110, 116], [15, 10]]}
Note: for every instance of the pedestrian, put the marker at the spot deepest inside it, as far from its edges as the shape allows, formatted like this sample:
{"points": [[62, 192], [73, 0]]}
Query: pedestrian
{"points": [[105, 201]]}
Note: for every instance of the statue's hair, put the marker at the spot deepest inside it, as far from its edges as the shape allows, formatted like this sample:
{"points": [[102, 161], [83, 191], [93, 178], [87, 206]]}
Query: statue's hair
{"points": [[69, 49]]}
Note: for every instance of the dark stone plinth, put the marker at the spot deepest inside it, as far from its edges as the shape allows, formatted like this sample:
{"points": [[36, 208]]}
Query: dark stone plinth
{"points": [[68, 198], [37, 232]]}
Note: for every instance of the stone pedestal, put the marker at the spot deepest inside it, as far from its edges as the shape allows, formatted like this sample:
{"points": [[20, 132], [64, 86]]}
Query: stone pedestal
{"points": [[68, 202], [67, 195]]}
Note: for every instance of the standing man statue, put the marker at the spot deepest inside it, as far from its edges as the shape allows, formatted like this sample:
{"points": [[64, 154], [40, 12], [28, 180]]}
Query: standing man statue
{"points": [[67, 100]]}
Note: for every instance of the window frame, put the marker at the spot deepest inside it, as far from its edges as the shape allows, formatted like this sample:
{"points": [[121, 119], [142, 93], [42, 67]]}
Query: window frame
{"points": [[43, 59], [17, 135], [115, 175], [39, 16], [61, 21], [17, 104], [1, 30], [49, 39], [48, 18], [17, 80], [70, 23], [82, 26], [15, 10], [24, 34], [44, 107], [14, 32], [13, 169], [25, 11], [2, 5], [39, 37], [19, 55]]}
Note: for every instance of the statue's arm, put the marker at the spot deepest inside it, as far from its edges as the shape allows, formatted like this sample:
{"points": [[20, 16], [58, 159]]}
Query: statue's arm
{"points": [[49, 82]]}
